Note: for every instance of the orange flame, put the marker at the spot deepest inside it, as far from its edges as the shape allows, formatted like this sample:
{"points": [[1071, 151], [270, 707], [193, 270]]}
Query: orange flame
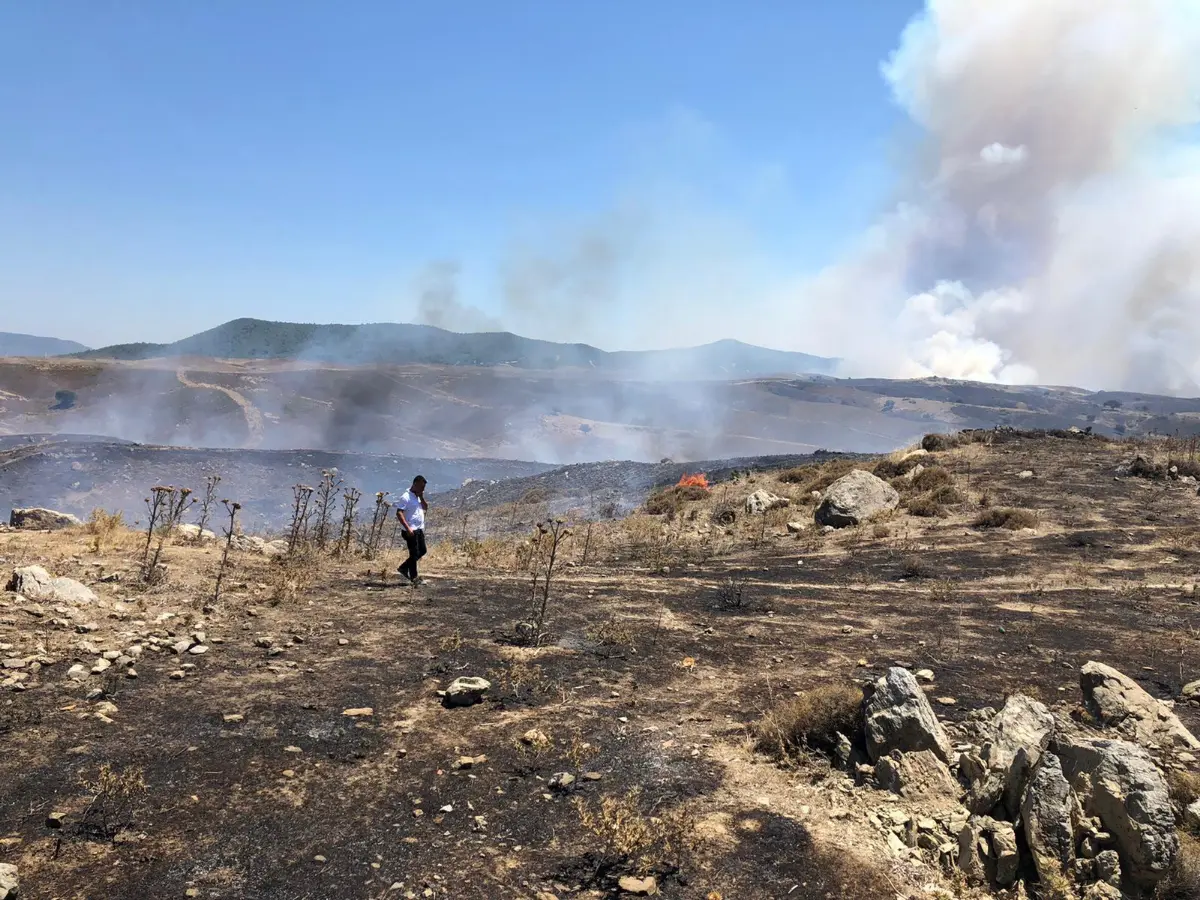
{"points": [[697, 480]]}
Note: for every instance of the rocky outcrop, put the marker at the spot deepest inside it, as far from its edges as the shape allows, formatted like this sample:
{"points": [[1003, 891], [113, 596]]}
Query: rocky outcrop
{"points": [[987, 851], [37, 519], [1118, 702], [763, 502], [915, 776], [1048, 817], [1016, 739], [897, 716], [193, 533], [1118, 782], [10, 883], [854, 498], [35, 583]]}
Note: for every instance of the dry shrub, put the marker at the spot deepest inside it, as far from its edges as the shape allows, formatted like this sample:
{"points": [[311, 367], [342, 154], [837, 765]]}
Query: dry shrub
{"points": [[913, 566], [612, 633], [888, 469], [670, 501], [103, 527], [938, 442], [519, 680], [114, 799], [1183, 881], [948, 496], [731, 593], [931, 479], [881, 531], [627, 836], [925, 507], [812, 720], [1006, 517], [1184, 788], [818, 477]]}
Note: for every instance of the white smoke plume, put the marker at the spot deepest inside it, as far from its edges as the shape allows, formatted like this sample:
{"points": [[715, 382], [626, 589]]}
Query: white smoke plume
{"points": [[1051, 228]]}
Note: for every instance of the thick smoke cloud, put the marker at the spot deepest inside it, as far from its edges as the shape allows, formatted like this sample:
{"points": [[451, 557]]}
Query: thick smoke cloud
{"points": [[1051, 229]]}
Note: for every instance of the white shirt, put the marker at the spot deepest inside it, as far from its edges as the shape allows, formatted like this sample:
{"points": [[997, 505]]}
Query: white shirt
{"points": [[410, 504]]}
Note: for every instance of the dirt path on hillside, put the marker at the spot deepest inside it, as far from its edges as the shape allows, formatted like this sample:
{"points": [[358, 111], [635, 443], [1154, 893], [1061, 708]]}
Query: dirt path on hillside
{"points": [[254, 418]]}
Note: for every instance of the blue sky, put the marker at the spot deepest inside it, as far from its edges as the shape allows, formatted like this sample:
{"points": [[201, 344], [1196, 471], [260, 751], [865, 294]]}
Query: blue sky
{"points": [[168, 166]]}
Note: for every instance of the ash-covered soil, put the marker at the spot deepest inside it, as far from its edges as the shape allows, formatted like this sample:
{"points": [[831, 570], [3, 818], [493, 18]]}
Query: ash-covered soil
{"points": [[78, 474], [259, 784]]}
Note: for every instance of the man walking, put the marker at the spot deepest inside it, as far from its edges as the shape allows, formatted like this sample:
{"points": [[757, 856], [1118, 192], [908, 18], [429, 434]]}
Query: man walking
{"points": [[410, 510]]}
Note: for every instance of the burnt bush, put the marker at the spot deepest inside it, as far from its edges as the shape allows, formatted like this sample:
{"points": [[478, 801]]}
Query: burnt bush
{"points": [[1006, 517], [671, 500]]}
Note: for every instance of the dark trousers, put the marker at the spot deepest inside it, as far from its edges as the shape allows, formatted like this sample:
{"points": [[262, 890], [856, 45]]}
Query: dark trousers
{"points": [[416, 549]]}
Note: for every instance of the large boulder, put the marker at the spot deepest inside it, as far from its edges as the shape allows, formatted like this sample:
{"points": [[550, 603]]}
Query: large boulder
{"points": [[37, 519], [1017, 737], [10, 882], [35, 583], [763, 502], [1048, 816], [897, 716], [854, 498], [1119, 783], [1118, 702]]}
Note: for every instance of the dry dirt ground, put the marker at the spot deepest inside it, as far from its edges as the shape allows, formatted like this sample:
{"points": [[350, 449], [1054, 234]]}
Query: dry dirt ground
{"points": [[259, 784]]}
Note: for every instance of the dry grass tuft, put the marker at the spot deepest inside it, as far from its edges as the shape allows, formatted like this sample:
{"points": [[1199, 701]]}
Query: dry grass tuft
{"points": [[1183, 881], [812, 720], [1184, 788], [1006, 517], [627, 836], [103, 528]]}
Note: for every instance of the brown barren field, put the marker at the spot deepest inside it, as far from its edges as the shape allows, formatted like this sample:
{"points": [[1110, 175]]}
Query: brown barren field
{"points": [[307, 754]]}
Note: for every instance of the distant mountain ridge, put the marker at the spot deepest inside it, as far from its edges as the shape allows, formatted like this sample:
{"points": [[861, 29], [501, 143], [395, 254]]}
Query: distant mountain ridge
{"points": [[399, 344], [14, 344]]}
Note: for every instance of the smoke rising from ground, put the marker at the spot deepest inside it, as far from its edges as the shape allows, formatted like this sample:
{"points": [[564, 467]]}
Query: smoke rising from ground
{"points": [[1051, 229], [1048, 229]]}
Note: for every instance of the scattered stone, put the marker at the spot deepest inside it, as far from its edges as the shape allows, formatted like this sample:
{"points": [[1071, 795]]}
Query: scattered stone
{"points": [[469, 762], [37, 519], [641, 887], [467, 691], [1025, 475], [358, 712], [35, 583], [1119, 783], [796, 527], [561, 781], [77, 672], [898, 717], [925, 675], [198, 650], [761, 502], [233, 718], [1118, 702], [100, 666], [193, 533], [56, 820], [855, 498], [10, 882], [535, 738], [181, 647]]}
